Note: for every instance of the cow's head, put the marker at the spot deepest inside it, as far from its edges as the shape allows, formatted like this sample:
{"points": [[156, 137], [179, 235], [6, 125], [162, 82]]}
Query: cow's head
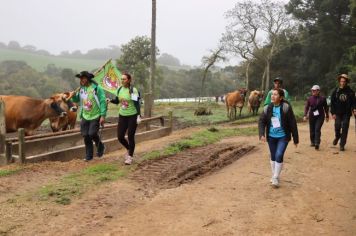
{"points": [[61, 103]]}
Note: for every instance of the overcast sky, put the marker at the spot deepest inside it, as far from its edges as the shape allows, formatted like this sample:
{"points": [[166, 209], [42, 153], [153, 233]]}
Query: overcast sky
{"points": [[186, 29]]}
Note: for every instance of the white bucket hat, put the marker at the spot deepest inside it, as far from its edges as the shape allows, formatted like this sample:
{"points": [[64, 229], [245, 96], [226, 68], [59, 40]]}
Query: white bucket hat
{"points": [[315, 87]]}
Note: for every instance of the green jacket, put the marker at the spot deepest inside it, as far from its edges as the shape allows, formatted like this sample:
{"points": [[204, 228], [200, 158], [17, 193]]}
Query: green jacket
{"points": [[92, 102], [268, 97]]}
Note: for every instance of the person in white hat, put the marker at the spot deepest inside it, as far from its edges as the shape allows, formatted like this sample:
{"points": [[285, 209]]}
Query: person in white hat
{"points": [[316, 110]]}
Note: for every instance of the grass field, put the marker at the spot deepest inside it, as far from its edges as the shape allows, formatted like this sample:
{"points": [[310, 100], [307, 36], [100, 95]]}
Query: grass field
{"points": [[184, 112], [40, 63]]}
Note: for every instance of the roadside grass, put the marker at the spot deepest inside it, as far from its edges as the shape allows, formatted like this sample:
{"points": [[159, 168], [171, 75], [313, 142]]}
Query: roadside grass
{"points": [[76, 184], [200, 138], [8, 172]]}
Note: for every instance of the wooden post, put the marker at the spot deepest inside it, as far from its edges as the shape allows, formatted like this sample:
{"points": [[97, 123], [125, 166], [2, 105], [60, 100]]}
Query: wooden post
{"points": [[8, 153], [170, 115], [21, 136], [2, 129]]}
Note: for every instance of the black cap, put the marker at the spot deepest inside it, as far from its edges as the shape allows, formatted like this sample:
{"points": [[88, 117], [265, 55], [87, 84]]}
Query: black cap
{"points": [[85, 74], [279, 79]]}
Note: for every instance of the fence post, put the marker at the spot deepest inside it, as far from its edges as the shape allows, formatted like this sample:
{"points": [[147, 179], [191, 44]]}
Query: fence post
{"points": [[21, 137], [170, 115], [2, 130], [8, 153]]}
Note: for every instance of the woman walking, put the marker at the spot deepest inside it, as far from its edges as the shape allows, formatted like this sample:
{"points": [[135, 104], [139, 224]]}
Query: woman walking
{"points": [[276, 126], [316, 109], [128, 97]]}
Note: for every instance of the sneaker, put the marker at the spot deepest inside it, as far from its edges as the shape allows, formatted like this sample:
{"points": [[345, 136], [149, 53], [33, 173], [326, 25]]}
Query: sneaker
{"points": [[316, 147], [128, 160], [87, 159], [100, 149], [342, 148], [312, 144], [275, 182], [335, 141]]}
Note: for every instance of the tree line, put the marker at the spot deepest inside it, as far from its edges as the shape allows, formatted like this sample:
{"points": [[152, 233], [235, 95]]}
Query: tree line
{"points": [[305, 41]]}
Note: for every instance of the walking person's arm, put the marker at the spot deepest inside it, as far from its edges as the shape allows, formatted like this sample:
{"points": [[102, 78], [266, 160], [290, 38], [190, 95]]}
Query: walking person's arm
{"points": [[306, 110], [293, 126]]}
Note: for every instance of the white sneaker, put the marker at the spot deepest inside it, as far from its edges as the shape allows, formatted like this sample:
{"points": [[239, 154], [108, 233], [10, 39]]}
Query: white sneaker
{"points": [[275, 182], [128, 160]]}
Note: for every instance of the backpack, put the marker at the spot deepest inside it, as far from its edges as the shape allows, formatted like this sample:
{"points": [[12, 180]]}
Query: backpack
{"points": [[136, 103], [284, 108]]}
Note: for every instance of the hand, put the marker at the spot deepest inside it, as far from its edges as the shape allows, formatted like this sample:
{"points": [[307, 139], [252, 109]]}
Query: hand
{"points": [[138, 120], [263, 138], [108, 100], [334, 117], [102, 121], [327, 119], [305, 118]]}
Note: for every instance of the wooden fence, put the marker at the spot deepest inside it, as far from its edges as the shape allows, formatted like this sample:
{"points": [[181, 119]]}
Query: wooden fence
{"points": [[68, 145]]}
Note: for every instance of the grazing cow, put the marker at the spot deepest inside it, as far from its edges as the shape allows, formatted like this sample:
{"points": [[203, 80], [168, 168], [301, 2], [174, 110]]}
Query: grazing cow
{"points": [[254, 101], [65, 122], [233, 100], [29, 113]]}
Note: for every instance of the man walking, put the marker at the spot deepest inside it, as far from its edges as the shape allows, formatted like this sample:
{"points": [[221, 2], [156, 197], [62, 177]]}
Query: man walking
{"points": [[342, 107], [93, 109], [277, 84]]}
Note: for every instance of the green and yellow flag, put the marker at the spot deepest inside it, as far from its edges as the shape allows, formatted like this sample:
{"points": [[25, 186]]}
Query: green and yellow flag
{"points": [[108, 77]]}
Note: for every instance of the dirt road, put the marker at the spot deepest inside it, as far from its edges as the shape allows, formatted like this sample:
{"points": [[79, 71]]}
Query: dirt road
{"points": [[316, 197]]}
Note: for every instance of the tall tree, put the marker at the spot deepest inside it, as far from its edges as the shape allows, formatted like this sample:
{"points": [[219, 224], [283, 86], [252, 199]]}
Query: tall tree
{"points": [[209, 61], [254, 29]]}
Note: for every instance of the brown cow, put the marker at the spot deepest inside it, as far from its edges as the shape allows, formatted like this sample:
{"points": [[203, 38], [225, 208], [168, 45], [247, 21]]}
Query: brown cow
{"points": [[233, 100], [254, 101], [29, 113], [62, 123]]}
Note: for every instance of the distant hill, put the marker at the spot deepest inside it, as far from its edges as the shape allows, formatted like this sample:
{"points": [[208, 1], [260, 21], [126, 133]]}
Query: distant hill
{"points": [[40, 62]]}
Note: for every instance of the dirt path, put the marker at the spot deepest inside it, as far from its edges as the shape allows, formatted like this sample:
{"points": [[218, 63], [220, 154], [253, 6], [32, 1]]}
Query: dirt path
{"points": [[316, 197]]}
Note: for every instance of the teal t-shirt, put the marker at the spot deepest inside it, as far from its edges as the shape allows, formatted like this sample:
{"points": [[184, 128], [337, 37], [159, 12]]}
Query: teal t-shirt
{"points": [[276, 132], [127, 105]]}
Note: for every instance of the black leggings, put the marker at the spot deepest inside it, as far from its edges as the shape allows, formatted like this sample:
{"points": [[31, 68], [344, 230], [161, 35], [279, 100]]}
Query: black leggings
{"points": [[129, 124]]}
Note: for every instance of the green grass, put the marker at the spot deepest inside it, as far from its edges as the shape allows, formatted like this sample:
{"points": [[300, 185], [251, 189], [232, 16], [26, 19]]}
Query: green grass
{"points": [[4, 173], [201, 138], [40, 62], [184, 112], [76, 184]]}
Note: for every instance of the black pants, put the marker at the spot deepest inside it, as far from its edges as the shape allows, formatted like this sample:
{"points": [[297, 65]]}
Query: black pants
{"points": [[89, 130], [315, 124], [342, 123], [129, 124]]}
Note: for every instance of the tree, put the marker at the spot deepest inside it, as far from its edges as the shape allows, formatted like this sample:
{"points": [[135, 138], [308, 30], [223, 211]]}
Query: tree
{"points": [[255, 29], [169, 60], [209, 61], [14, 45]]}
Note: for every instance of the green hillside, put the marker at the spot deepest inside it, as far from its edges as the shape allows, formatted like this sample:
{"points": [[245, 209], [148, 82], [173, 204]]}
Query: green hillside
{"points": [[40, 62]]}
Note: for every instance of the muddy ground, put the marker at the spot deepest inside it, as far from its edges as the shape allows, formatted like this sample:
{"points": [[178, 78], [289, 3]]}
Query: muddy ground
{"points": [[219, 189]]}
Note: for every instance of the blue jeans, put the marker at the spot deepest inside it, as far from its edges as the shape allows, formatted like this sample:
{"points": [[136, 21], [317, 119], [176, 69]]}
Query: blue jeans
{"points": [[277, 147]]}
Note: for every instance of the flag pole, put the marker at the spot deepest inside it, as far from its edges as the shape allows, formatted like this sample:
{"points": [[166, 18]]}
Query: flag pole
{"points": [[96, 72]]}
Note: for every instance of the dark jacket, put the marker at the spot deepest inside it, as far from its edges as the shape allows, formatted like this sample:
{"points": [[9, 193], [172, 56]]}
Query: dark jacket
{"points": [[288, 122], [316, 103], [342, 101]]}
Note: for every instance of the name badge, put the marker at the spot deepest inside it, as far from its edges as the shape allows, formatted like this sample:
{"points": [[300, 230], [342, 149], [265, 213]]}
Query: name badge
{"points": [[134, 97], [275, 122], [316, 113]]}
